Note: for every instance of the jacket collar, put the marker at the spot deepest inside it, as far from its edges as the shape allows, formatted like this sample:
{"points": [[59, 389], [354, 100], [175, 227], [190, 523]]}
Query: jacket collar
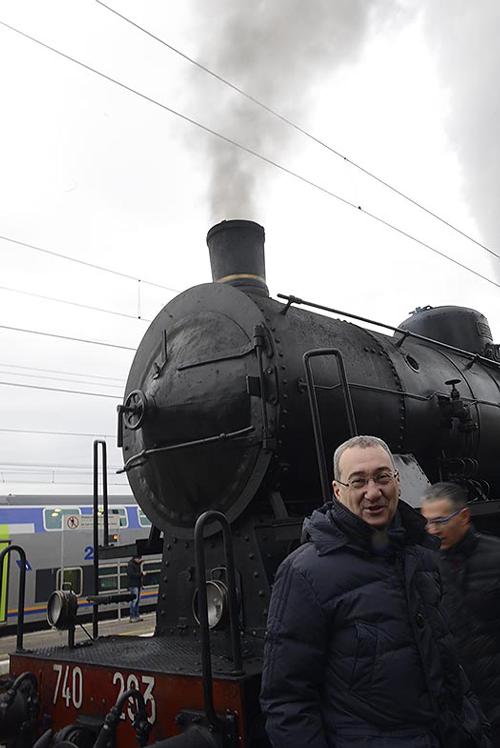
{"points": [[333, 527], [464, 547]]}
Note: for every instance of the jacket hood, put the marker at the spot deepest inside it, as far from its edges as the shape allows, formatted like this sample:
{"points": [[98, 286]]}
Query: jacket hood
{"points": [[333, 526]]}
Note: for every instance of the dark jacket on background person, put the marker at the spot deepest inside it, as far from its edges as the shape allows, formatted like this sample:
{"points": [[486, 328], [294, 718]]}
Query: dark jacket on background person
{"points": [[471, 575], [358, 651], [134, 573]]}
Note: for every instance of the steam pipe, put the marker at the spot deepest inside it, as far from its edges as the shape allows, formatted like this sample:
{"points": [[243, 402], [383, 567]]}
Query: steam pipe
{"points": [[9, 696], [45, 740], [140, 723], [404, 333], [18, 711]]}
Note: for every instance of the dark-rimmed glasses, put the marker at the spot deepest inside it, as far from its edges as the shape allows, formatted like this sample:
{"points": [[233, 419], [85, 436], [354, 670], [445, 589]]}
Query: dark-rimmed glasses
{"points": [[383, 478]]}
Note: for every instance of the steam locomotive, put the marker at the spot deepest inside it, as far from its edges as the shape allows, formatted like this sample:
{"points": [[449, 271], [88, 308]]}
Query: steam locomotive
{"points": [[233, 404]]}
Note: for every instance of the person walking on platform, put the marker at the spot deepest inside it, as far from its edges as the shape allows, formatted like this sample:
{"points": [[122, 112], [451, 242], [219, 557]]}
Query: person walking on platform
{"points": [[357, 650], [470, 565], [134, 582]]}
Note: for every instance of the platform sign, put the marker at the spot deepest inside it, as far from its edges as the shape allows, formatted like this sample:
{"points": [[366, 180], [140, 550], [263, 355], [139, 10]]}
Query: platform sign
{"points": [[87, 521], [72, 522]]}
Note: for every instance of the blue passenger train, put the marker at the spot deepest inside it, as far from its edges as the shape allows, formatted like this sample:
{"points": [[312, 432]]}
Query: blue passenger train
{"points": [[56, 533]]}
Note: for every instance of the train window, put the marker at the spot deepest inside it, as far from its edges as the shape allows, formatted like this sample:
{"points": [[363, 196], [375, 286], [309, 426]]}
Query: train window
{"points": [[53, 516], [70, 579], [151, 571], [144, 520], [122, 513], [108, 578], [123, 582]]}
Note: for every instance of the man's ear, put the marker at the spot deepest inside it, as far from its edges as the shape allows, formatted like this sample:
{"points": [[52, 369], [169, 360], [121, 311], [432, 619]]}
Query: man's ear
{"points": [[465, 516], [336, 489]]}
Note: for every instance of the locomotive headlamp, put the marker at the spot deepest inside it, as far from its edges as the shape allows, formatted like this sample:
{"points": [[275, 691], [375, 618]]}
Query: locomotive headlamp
{"points": [[216, 592], [61, 609]]}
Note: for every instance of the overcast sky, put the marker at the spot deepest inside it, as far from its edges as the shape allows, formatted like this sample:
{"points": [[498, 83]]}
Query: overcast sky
{"points": [[90, 170]]}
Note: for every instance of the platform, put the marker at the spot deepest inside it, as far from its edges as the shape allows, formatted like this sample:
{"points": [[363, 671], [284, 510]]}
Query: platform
{"points": [[53, 638]]}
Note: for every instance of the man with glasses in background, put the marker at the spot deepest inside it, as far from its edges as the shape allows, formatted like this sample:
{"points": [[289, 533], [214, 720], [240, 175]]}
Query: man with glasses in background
{"points": [[470, 565], [358, 651]]}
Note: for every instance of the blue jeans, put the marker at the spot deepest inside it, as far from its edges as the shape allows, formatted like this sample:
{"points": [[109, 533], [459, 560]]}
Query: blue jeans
{"points": [[134, 604]]}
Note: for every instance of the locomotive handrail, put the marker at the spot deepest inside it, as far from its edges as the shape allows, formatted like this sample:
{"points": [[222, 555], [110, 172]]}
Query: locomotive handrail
{"points": [[201, 576], [410, 395], [239, 353], [313, 404], [259, 345], [117, 597], [135, 460], [22, 590], [102, 443], [405, 333]]}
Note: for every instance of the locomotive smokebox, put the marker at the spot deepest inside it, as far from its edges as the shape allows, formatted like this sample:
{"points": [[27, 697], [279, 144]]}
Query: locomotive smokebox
{"points": [[237, 255]]}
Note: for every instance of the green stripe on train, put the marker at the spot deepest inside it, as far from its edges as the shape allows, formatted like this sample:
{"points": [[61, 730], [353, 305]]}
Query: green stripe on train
{"points": [[4, 542]]}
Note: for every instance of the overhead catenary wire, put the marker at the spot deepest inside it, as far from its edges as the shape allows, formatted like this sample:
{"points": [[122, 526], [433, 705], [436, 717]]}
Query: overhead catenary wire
{"points": [[61, 371], [60, 379], [74, 303], [58, 389], [7, 465], [87, 264], [66, 337], [95, 435], [252, 152], [299, 128], [59, 471]]}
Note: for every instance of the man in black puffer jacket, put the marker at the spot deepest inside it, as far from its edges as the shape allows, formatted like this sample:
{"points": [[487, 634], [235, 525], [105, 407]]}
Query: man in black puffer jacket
{"points": [[471, 576], [358, 651]]}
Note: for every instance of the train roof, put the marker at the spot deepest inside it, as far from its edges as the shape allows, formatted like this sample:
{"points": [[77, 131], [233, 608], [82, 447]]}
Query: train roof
{"points": [[61, 500]]}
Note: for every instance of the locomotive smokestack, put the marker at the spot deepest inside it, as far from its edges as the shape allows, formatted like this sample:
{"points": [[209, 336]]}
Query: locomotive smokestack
{"points": [[237, 255]]}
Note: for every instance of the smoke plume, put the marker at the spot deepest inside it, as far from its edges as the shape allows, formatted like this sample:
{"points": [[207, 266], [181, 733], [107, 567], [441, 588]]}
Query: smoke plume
{"points": [[278, 51], [464, 38]]}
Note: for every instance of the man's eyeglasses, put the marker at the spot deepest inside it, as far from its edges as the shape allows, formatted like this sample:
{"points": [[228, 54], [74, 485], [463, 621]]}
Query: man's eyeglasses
{"points": [[443, 520], [379, 479]]}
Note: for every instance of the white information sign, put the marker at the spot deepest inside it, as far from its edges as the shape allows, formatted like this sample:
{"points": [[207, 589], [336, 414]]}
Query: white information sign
{"points": [[87, 521]]}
